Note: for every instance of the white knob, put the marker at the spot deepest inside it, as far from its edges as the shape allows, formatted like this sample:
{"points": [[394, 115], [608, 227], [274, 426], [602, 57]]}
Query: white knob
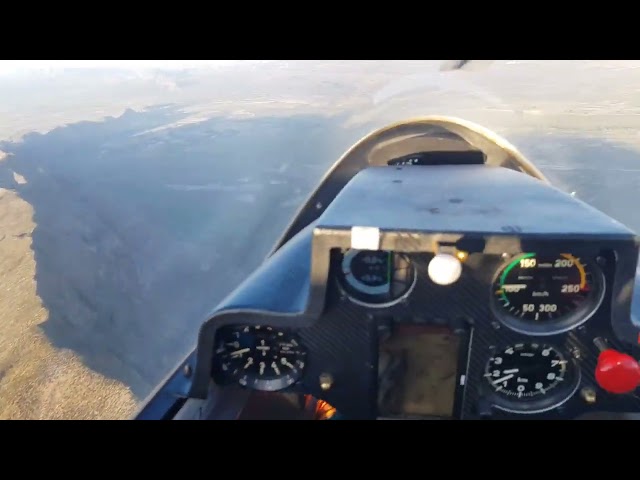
{"points": [[444, 269]]}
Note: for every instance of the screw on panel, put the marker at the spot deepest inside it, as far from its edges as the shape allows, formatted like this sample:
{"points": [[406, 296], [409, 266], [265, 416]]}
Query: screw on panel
{"points": [[326, 381], [495, 325], [576, 353], [187, 371], [505, 255], [318, 206], [588, 394]]}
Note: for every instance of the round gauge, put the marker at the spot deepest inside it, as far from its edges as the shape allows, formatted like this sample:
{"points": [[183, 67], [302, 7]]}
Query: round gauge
{"points": [[546, 294], [376, 278], [531, 378], [257, 357]]}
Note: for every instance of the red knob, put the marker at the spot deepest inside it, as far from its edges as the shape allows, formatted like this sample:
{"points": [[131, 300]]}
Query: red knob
{"points": [[617, 372]]}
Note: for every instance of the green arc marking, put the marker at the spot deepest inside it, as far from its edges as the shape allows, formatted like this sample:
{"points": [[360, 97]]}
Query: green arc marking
{"points": [[509, 267]]}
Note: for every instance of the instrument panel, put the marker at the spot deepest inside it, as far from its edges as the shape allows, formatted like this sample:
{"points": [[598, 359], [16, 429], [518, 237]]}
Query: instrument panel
{"points": [[482, 335]]}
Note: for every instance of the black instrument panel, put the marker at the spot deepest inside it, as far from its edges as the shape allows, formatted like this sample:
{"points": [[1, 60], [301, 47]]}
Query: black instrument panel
{"points": [[511, 337]]}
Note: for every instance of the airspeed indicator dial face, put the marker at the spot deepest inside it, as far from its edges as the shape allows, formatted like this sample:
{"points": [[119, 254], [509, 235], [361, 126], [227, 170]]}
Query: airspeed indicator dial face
{"points": [[546, 294]]}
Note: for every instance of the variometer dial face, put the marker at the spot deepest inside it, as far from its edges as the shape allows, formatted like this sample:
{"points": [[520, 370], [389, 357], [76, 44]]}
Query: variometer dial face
{"points": [[530, 376], [258, 357], [376, 278], [546, 293]]}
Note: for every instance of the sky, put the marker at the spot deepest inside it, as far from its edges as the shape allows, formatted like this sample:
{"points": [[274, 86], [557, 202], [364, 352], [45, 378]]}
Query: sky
{"points": [[17, 66]]}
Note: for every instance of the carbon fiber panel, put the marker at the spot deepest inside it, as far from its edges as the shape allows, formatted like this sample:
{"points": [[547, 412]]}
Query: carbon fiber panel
{"points": [[343, 345]]}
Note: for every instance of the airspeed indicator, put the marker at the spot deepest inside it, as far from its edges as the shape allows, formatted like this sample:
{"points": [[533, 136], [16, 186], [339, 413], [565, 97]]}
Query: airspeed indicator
{"points": [[546, 294]]}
